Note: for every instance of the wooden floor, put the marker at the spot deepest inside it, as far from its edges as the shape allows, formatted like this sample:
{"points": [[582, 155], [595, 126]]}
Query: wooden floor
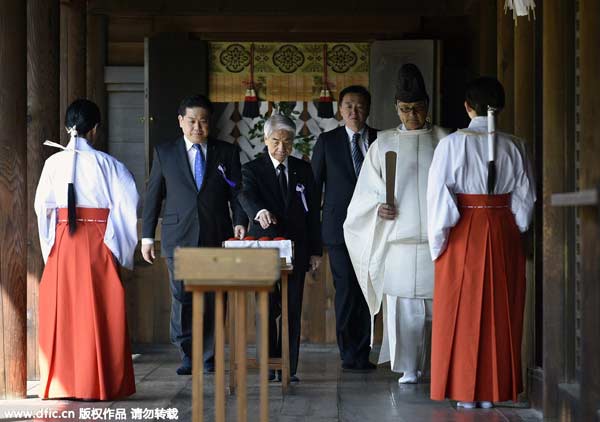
{"points": [[324, 394]]}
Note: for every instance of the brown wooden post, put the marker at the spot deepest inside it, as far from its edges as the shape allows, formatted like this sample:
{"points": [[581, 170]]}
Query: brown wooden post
{"points": [[590, 216], [506, 66], [524, 118], [13, 197], [97, 46], [556, 133], [487, 37], [72, 55], [42, 123]]}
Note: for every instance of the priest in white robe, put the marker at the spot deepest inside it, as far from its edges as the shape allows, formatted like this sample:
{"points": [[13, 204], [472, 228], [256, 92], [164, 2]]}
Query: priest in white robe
{"points": [[388, 243]]}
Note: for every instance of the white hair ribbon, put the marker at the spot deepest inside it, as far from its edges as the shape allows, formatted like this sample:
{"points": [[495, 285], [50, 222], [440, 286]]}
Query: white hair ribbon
{"points": [[491, 120]]}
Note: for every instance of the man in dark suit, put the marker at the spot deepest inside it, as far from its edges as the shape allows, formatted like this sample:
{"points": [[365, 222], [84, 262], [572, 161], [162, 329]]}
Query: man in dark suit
{"points": [[198, 178], [279, 198], [336, 162]]}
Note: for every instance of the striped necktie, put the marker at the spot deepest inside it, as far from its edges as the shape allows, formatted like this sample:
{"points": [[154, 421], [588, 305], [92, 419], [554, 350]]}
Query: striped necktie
{"points": [[357, 154], [199, 165]]}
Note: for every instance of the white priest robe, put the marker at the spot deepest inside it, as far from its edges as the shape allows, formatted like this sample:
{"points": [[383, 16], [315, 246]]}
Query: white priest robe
{"points": [[100, 181], [391, 257]]}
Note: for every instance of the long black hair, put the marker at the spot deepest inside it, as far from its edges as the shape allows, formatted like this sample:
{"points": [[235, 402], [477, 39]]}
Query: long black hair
{"points": [[82, 115], [482, 94]]}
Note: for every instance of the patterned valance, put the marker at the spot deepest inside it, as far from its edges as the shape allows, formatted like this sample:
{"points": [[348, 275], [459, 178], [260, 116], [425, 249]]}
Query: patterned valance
{"points": [[285, 71]]}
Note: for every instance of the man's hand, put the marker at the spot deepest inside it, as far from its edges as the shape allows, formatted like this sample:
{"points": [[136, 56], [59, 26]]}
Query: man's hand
{"points": [[315, 262], [148, 253], [266, 219], [387, 212], [239, 232]]}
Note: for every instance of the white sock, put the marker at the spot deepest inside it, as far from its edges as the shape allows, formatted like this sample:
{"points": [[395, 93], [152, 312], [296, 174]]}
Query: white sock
{"points": [[466, 404], [486, 404], [409, 377]]}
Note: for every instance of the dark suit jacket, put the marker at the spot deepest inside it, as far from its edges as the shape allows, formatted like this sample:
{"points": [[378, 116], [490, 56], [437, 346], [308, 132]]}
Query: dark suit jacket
{"points": [[192, 217], [261, 191], [332, 165]]}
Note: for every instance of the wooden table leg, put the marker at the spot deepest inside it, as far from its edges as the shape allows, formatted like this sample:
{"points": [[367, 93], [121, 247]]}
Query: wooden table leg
{"points": [[285, 335], [231, 313], [219, 358], [241, 355], [264, 355], [197, 357]]}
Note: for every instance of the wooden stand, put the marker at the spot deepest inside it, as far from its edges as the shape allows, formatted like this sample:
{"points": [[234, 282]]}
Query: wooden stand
{"points": [[237, 272], [237, 358]]}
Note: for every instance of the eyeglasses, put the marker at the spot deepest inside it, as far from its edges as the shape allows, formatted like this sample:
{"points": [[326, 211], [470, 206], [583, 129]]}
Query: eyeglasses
{"points": [[418, 108]]}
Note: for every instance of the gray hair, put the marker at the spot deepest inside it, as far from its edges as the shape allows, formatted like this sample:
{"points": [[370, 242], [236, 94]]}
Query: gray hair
{"points": [[279, 122]]}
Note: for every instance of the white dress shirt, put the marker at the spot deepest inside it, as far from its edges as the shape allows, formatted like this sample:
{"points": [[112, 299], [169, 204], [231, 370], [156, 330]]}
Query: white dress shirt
{"points": [[286, 171], [362, 141]]}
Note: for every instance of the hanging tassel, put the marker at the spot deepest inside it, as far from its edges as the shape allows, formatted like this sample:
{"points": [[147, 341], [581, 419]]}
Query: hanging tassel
{"points": [[325, 104], [251, 103], [491, 179]]}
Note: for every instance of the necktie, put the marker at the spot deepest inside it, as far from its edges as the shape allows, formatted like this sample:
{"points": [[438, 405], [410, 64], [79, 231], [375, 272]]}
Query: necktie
{"points": [[199, 165], [282, 181], [357, 154]]}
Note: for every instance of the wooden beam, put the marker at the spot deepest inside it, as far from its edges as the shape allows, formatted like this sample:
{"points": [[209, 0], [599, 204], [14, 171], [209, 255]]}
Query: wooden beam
{"points": [[43, 30], [13, 200], [96, 59], [506, 66], [277, 9], [72, 55], [590, 221], [556, 89]]}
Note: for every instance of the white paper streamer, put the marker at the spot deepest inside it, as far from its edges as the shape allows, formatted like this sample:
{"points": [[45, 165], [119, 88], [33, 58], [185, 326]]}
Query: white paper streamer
{"points": [[520, 7]]}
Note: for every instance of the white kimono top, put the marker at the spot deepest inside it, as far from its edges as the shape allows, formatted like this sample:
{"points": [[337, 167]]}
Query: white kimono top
{"points": [[460, 166], [100, 182], [392, 256]]}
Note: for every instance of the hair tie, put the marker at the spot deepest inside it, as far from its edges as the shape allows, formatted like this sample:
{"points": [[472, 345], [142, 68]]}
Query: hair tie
{"points": [[72, 131]]}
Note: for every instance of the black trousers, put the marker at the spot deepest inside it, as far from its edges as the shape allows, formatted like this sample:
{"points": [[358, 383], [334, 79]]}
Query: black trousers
{"points": [[295, 294], [181, 319], [352, 317]]}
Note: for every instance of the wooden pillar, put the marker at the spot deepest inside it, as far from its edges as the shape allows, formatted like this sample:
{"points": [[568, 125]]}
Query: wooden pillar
{"points": [[506, 66], [42, 123], [524, 118], [97, 46], [13, 197], [556, 94], [72, 55], [590, 216], [487, 37]]}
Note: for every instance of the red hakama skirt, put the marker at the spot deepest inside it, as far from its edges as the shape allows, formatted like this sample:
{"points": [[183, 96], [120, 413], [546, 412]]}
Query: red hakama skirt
{"points": [[478, 302], [83, 339]]}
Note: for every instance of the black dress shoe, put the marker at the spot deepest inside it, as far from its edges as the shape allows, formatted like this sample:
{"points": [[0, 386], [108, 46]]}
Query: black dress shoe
{"points": [[184, 370], [358, 367], [209, 368], [294, 379], [272, 376], [366, 366]]}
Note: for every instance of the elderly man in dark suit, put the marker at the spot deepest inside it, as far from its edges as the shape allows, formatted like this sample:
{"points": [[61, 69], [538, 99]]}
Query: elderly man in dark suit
{"points": [[279, 197], [336, 162], [198, 178]]}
